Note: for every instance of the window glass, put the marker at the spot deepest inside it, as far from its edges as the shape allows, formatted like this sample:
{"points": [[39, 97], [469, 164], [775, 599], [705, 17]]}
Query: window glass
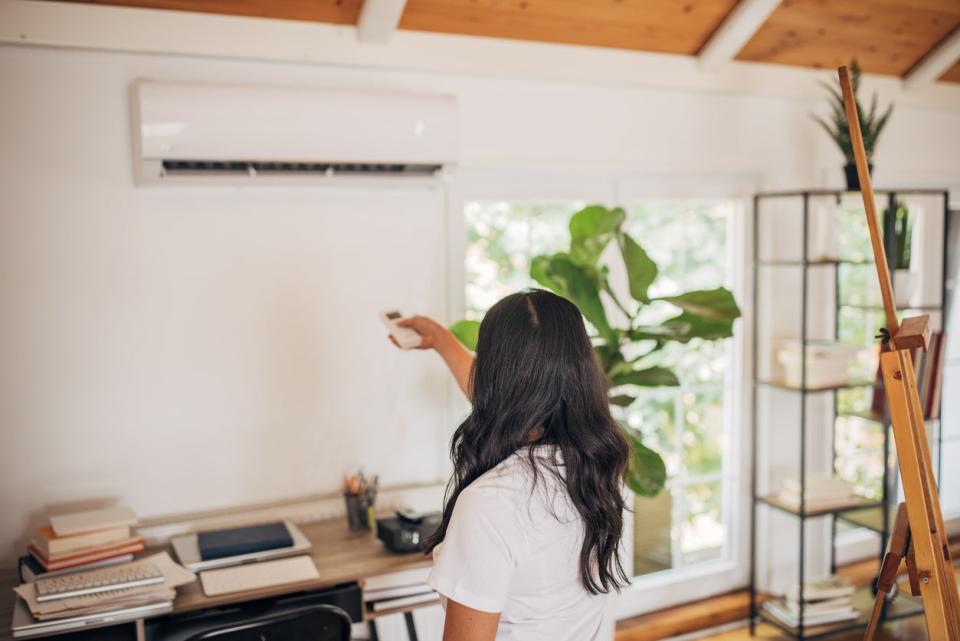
{"points": [[689, 523]]}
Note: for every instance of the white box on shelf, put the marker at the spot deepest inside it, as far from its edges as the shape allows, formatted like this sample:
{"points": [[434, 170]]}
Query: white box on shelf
{"points": [[828, 364]]}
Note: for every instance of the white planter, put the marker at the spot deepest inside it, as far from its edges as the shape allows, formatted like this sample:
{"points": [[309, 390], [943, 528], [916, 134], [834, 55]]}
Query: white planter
{"points": [[904, 286]]}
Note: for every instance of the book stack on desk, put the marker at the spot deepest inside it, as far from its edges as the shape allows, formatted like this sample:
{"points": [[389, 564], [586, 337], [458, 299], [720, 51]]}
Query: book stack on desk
{"points": [[81, 541], [161, 589]]}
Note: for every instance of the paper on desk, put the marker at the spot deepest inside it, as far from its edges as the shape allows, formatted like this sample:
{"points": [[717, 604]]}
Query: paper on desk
{"points": [[173, 574]]}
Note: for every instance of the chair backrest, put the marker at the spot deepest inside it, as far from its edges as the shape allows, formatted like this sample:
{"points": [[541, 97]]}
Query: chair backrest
{"points": [[314, 623]]}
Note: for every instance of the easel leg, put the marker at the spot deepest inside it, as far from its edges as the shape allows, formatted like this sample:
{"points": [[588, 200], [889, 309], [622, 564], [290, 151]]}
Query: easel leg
{"points": [[897, 550]]}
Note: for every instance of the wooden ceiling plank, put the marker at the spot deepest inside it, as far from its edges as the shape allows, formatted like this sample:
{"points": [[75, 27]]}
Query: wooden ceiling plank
{"points": [[886, 36], [378, 20], [734, 32], [652, 25], [952, 75], [936, 62]]}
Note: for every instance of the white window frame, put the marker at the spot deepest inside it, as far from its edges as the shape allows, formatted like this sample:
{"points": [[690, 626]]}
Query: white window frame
{"points": [[668, 588]]}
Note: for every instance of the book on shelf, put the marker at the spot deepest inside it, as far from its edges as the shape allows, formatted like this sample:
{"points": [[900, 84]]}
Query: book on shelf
{"points": [[780, 611], [928, 367], [30, 568], [52, 545], [827, 588], [827, 606]]}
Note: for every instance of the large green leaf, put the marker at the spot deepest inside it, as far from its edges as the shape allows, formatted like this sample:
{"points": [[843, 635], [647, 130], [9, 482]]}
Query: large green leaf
{"points": [[690, 326], [673, 332], [467, 332], [622, 400], [650, 377], [646, 472], [714, 304], [540, 272], [641, 270], [579, 283], [591, 230]]}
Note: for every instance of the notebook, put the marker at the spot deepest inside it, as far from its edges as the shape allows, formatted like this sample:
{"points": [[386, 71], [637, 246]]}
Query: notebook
{"points": [[219, 544]]}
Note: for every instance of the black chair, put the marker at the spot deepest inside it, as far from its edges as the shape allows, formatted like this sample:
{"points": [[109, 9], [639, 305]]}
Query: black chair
{"points": [[315, 623]]}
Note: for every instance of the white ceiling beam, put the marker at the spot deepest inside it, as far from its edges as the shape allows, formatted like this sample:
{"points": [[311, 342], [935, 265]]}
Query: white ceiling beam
{"points": [[734, 32], [378, 20], [932, 65]]}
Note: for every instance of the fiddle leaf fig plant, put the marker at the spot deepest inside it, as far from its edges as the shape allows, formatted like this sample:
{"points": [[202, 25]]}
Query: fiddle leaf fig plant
{"points": [[623, 346]]}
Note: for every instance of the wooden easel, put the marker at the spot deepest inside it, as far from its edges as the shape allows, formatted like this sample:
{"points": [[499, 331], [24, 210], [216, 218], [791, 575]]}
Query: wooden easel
{"points": [[918, 535]]}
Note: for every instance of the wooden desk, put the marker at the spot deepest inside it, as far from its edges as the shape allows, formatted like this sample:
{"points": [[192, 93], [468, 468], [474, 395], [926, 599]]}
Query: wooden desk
{"points": [[341, 556]]}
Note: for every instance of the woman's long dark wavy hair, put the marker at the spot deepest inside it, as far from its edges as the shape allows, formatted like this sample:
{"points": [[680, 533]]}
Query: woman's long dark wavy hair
{"points": [[536, 371]]}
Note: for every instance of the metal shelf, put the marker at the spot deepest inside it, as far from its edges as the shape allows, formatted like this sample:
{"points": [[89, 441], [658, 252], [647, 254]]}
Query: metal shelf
{"points": [[867, 513], [808, 390], [776, 502], [870, 518], [902, 607]]}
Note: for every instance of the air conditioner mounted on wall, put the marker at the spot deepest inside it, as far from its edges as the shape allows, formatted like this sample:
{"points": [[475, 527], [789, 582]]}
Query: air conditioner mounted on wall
{"points": [[184, 133]]}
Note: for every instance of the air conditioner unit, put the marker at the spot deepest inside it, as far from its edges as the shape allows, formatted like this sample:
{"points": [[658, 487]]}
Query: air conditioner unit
{"points": [[189, 132]]}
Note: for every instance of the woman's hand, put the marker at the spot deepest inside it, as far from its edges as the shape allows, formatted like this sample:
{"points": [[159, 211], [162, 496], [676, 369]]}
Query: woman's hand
{"points": [[431, 332], [433, 335]]}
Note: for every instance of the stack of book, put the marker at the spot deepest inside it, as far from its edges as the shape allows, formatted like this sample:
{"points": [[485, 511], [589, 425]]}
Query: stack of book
{"points": [[81, 541], [159, 592], [821, 493], [824, 601]]}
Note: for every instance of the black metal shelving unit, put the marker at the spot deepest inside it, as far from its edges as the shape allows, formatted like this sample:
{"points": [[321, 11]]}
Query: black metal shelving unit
{"points": [[874, 515]]}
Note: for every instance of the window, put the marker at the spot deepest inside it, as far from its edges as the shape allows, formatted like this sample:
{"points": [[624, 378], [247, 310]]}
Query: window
{"points": [[692, 426], [689, 425]]}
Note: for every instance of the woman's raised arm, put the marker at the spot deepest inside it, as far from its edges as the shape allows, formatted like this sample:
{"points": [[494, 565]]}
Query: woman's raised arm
{"points": [[435, 336]]}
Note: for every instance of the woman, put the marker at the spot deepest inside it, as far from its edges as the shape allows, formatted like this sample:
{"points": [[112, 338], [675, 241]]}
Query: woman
{"points": [[529, 541]]}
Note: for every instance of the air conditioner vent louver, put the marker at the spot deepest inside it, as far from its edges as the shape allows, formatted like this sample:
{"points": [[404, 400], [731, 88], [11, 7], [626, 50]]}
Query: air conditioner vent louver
{"points": [[253, 167]]}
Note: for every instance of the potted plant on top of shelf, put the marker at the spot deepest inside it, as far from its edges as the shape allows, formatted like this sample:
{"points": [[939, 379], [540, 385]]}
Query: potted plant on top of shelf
{"points": [[897, 223], [871, 125], [621, 347]]}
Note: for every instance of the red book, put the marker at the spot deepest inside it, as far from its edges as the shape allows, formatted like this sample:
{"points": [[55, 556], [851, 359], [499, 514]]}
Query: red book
{"points": [[132, 546]]}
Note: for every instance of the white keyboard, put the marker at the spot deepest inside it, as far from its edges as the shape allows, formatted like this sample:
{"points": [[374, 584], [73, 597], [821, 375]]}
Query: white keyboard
{"points": [[254, 576], [96, 581]]}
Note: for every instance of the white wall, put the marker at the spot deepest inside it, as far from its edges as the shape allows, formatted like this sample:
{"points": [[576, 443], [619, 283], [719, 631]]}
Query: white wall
{"points": [[183, 348]]}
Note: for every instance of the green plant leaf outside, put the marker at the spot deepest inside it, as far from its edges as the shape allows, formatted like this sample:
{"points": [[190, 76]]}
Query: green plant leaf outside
{"points": [[646, 472], [591, 230], [674, 331], [714, 304], [641, 270], [467, 332], [649, 377]]}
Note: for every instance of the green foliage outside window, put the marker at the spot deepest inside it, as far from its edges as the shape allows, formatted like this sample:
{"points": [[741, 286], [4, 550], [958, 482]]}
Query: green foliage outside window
{"points": [[628, 350]]}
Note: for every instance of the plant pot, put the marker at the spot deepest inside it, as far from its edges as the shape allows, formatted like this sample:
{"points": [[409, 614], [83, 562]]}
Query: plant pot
{"points": [[853, 180], [904, 286]]}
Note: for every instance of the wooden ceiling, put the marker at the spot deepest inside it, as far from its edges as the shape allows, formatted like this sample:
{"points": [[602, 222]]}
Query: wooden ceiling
{"points": [[669, 26], [887, 36]]}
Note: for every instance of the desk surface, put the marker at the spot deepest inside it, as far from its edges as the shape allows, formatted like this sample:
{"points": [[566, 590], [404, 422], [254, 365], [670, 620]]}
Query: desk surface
{"points": [[341, 556]]}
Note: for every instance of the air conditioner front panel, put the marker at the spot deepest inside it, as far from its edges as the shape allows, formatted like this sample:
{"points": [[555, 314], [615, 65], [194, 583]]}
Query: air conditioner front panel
{"points": [[187, 122]]}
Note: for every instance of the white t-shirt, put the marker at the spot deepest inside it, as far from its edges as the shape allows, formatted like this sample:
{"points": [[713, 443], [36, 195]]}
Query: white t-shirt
{"points": [[515, 549]]}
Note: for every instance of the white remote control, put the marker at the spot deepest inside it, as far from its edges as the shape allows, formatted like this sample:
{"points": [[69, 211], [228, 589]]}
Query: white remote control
{"points": [[406, 337]]}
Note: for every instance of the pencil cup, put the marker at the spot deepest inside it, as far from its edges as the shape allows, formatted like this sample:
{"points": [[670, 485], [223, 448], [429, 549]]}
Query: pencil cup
{"points": [[358, 511]]}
